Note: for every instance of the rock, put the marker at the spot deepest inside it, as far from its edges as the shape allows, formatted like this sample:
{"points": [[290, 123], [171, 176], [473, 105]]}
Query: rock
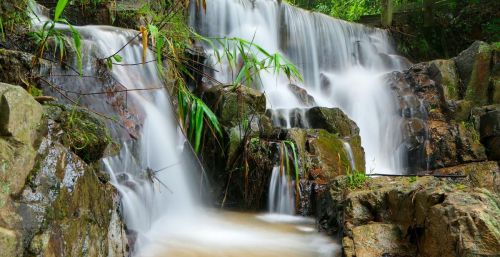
{"points": [[444, 72], [490, 132], [17, 67], [473, 66], [441, 217], [465, 223], [20, 114], [451, 144], [84, 133], [377, 239], [20, 117], [327, 154], [232, 104], [480, 174], [302, 95], [332, 120], [52, 203], [461, 110], [67, 210], [9, 243]]}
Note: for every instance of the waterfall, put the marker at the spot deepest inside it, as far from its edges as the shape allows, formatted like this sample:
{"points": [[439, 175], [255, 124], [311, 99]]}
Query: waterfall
{"points": [[281, 193], [350, 155], [342, 64], [153, 171]]}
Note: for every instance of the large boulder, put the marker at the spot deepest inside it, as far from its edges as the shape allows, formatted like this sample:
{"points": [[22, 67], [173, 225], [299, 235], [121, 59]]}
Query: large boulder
{"points": [[422, 216], [332, 120], [20, 114], [473, 66], [444, 72], [323, 142], [379, 239], [233, 104], [52, 202]]}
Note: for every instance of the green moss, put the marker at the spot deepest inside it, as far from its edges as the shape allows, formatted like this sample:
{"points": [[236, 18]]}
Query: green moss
{"points": [[85, 134], [331, 154]]}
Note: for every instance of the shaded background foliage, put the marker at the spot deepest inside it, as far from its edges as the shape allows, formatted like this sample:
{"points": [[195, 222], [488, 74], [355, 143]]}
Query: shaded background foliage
{"points": [[422, 29]]}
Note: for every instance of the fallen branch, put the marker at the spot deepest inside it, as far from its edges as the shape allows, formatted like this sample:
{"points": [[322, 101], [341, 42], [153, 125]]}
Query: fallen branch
{"points": [[410, 175]]}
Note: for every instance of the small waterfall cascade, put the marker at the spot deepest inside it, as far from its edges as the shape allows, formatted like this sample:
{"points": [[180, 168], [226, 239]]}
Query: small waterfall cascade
{"points": [[281, 193], [350, 155], [152, 171], [342, 63]]}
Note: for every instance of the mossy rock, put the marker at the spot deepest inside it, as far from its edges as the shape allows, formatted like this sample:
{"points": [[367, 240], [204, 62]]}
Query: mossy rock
{"points": [[85, 134], [473, 65], [323, 154], [445, 73], [332, 120], [234, 104]]}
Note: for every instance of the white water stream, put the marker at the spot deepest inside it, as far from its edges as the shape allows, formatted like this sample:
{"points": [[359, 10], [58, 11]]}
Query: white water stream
{"points": [[342, 64]]}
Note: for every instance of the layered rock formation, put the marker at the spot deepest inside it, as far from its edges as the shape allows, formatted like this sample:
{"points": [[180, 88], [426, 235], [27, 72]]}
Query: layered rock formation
{"points": [[54, 201]]}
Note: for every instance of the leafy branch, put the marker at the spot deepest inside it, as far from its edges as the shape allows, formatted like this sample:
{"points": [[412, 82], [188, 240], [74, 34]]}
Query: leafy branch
{"points": [[48, 31]]}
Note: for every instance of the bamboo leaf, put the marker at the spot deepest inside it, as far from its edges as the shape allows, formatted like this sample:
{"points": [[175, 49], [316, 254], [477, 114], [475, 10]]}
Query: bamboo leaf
{"points": [[199, 125], [118, 58], [2, 30], [78, 45], [61, 4], [153, 30], [160, 42], [213, 120]]}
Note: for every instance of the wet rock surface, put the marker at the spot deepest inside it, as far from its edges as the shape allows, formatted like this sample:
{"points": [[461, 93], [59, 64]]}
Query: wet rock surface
{"points": [[254, 142], [442, 103], [52, 202], [421, 216]]}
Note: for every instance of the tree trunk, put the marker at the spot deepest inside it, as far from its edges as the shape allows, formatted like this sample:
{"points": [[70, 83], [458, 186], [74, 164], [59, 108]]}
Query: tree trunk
{"points": [[386, 15]]}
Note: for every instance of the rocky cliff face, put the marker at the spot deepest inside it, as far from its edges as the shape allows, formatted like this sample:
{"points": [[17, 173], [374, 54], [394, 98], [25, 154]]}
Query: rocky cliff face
{"points": [[446, 104], [54, 198], [417, 217]]}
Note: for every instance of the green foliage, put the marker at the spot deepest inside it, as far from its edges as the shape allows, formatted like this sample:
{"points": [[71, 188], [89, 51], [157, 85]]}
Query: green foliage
{"points": [[194, 114], [61, 5], [247, 59], [295, 161], [412, 179], [2, 31], [492, 28], [35, 92], [356, 179], [49, 31], [84, 135], [352, 10], [13, 17]]}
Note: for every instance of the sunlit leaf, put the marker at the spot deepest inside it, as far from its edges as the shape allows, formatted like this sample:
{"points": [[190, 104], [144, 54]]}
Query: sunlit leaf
{"points": [[61, 4], [118, 58]]}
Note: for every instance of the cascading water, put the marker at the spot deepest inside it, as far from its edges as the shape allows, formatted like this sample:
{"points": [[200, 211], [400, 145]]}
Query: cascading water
{"points": [[281, 195], [350, 155], [342, 64], [152, 173]]}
